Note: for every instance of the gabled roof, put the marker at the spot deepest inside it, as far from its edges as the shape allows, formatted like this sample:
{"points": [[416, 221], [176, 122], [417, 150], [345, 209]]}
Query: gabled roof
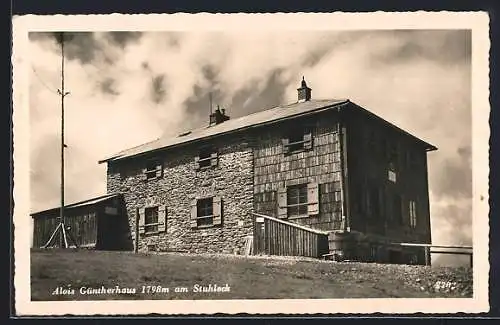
{"points": [[81, 203], [265, 117], [252, 120]]}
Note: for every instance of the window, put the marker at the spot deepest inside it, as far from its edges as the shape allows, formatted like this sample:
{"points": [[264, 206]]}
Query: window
{"points": [[153, 170], [297, 201], [396, 208], [151, 220], [207, 158], [413, 160], [373, 202], [206, 212], [391, 173], [413, 214], [297, 141]]}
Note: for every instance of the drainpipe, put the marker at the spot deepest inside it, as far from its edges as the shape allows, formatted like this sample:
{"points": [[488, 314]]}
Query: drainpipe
{"points": [[344, 181]]}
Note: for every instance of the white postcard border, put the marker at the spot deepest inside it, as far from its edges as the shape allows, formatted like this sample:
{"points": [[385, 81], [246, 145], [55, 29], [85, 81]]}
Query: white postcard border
{"points": [[478, 22]]}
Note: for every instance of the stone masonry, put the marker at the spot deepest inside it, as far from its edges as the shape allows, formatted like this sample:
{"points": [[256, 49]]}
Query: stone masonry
{"points": [[231, 179]]}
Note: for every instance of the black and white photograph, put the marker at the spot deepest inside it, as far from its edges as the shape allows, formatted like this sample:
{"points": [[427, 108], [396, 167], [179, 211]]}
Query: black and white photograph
{"points": [[251, 163]]}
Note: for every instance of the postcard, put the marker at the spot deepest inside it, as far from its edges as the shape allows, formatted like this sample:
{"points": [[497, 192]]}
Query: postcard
{"points": [[251, 163]]}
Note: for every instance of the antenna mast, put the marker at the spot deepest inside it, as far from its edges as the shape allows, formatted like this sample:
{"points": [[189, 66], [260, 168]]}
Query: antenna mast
{"points": [[64, 234], [63, 94]]}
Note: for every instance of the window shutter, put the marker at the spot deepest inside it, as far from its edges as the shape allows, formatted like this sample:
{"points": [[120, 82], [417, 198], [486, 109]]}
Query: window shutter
{"points": [[213, 159], [312, 199], [159, 170], [162, 218], [308, 141], [194, 214], [285, 145], [217, 210], [142, 220], [282, 202], [196, 163]]}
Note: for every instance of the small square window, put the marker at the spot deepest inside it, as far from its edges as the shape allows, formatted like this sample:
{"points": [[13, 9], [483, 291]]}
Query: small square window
{"points": [[207, 157], [392, 176], [298, 141], [153, 169], [295, 142]]}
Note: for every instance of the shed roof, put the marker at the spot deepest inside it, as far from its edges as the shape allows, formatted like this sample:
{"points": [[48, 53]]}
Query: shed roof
{"points": [[261, 118], [87, 202]]}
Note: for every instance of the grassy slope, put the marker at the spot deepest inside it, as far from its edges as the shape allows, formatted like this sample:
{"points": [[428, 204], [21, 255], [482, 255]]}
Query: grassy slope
{"points": [[249, 278]]}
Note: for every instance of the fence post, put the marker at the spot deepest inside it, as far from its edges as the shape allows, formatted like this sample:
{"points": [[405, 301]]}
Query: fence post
{"points": [[427, 251]]}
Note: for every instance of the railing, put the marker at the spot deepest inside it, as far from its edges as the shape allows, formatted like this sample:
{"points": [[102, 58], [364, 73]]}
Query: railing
{"points": [[451, 250], [273, 236]]}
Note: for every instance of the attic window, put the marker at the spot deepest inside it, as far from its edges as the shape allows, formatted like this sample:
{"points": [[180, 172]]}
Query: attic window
{"points": [[153, 170], [297, 141], [206, 158], [391, 172]]}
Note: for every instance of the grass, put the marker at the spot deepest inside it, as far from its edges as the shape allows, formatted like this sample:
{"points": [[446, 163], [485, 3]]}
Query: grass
{"points": [[248, 278]]}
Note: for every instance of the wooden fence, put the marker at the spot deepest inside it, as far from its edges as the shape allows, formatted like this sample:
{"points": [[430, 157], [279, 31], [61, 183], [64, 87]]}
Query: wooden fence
{"points": [[274, 236]]}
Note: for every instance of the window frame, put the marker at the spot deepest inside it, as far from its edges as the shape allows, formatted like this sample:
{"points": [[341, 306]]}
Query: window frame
{"points": [[205, 158], [154, 224], [397, 213], [412, 213], [299, 206], [295, 142], [373, 205], [392, 175], [151, 169], [202, 204]]}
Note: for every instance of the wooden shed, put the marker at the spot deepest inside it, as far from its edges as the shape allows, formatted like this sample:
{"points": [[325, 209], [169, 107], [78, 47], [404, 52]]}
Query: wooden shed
{"points": [[98, 223]]}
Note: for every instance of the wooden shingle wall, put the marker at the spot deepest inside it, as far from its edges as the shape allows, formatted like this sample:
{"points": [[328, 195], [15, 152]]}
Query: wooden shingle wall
{"points": [[274, 169]]}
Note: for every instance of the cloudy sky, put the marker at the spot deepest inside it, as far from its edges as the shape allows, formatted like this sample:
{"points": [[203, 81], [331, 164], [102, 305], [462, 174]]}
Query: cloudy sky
{"points": [[128, 88]]}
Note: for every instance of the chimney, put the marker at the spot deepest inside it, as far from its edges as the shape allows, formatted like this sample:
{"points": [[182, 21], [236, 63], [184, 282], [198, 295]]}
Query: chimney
{"points": [[304, 92], [218, 116]]}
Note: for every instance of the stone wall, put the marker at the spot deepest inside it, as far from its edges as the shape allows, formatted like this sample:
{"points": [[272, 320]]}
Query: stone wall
{"points": [[320, 164], [232, 180]]}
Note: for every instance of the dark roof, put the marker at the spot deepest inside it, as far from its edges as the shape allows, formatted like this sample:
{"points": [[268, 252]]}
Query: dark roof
{"points": [[91, 201], [253, 120]]}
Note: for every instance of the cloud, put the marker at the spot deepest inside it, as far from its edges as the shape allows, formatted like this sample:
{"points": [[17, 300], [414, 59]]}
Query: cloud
{"points": [[128, 88], [123, 38], [108, 87], [158, 89]]}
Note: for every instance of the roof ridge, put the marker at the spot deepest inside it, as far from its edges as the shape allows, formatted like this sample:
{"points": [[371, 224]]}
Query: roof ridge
{"points": [[276, 113], [240, 117]]}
